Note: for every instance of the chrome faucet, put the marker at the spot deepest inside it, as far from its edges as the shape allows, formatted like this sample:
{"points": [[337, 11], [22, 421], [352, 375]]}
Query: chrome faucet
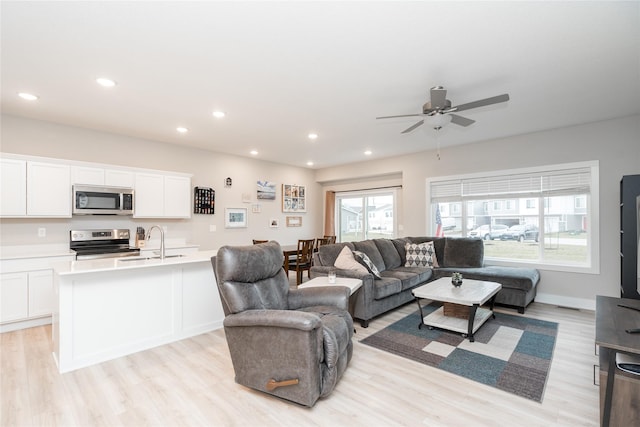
{"points": [[161, 238]]}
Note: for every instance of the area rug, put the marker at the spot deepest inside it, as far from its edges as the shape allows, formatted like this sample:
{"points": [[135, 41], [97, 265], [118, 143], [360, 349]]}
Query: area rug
{"points": [[511, 353]]}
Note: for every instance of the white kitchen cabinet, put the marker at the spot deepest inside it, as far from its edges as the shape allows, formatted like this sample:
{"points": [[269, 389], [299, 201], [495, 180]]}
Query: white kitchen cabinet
{"points": [[99, 176], [87, 175], [14, 297], [162, 196], [26, 295], [13, 188], [48, 189], [118, 178], [40, 293], [177, 197]]}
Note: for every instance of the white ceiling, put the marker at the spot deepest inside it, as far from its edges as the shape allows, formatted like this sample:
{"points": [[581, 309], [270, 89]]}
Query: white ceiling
{"points": [[282, 70]]}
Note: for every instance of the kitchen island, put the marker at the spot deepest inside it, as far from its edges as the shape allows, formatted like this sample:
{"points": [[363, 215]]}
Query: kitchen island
{"points": [[108, 308]]}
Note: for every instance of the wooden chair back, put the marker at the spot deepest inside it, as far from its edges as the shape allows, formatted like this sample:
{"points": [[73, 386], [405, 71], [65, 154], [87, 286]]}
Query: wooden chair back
{"points": [[256, 242], [305, 251], [332, 239]]}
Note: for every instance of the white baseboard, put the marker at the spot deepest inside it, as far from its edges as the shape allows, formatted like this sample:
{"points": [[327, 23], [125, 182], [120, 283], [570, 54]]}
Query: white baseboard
{"points": [[563, 301], [23, 324]]}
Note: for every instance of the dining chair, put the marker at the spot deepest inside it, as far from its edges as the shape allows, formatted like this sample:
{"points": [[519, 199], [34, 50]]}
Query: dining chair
{"points": [[332, 239], [321, 241], [255, 242], [303, 259]]}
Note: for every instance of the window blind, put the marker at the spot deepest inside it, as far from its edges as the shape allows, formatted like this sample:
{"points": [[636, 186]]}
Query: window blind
{"points": [[533, 184]]}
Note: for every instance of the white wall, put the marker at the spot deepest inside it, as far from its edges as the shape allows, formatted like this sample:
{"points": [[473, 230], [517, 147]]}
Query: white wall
{"points": [[38, 138], [614, 143]]}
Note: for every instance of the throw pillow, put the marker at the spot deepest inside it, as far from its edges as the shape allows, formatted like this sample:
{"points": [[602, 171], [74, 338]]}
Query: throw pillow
{"points": [[364, 259], [421, 255], [346, 261]]}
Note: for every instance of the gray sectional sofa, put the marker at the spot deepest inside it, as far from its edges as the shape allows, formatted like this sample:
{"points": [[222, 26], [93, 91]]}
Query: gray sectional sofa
{"points": [[393, 288]]}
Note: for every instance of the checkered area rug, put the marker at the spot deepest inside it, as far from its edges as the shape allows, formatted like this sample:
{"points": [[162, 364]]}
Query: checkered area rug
{"points": [[511, 353]]}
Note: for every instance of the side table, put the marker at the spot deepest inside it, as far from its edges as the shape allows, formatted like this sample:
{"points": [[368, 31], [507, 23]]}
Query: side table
{"points": [[353, 284]]}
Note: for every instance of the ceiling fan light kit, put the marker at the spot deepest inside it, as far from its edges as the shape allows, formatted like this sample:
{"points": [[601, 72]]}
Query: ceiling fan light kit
{"points": [[438, 112]]}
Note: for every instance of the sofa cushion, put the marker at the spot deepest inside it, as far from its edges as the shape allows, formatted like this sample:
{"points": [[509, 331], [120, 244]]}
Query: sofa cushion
{"points": [[386, 286], [399, 245], [370, 248], [438, 243], [346, 261], [463, 252], [409, 276], [327, 254], [521, 278], [421, 255], [389, 253], [363, 259]]}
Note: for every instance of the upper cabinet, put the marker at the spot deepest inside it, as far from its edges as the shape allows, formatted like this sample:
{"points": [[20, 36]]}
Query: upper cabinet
{"points": [[162, 196], [13, 187], [36, 187], [48, 190], [99, 176]]}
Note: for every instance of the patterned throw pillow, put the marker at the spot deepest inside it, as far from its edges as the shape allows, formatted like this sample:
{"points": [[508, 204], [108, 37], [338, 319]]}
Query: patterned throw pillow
{"points": [[364, 259], [421, 255], [346, 261]]}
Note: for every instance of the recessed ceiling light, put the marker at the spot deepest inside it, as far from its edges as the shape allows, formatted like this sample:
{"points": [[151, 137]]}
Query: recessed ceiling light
{"points": [[254, 152], [218, 114], [368, 153], [104, 82], [309, 163], [313, 136], [27, 96], [181, 129]]}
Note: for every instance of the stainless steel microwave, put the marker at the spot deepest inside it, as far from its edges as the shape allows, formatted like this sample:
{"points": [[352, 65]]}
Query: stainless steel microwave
{"points": [[98, 200]]}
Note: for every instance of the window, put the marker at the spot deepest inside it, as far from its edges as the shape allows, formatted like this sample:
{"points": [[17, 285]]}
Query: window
{"points": [[365, 215], [548, 212]]}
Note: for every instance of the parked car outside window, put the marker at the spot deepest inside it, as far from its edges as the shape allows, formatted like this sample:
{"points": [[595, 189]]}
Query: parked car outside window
{"points": [[489, 232], [521, 233]]}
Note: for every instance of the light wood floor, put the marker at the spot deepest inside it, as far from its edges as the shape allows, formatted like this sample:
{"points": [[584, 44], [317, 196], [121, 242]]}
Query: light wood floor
{"points": [[191, 382]]}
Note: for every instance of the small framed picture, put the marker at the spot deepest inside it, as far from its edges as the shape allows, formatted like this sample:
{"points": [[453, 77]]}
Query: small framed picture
{"points": [[235, 217], [274, 223], [294, 221]]}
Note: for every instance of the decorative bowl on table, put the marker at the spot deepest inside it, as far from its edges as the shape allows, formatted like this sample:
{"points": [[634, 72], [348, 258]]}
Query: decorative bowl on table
{"points": [[456, 279]]}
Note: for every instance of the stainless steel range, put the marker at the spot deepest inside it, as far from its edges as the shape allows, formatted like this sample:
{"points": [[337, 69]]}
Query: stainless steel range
{"points": [[92, 244]]}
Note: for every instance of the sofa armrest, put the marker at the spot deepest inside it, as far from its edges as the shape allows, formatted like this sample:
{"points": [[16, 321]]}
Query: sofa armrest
{"points": [[274, 318], [334, 296]]}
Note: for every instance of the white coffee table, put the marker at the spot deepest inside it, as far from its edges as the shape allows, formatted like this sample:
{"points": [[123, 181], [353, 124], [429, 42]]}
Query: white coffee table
{"points": [[472, 294], [353, 284]]}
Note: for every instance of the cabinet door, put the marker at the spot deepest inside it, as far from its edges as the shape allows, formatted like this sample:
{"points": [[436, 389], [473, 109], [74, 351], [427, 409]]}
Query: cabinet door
{"points": [[118, 178], [149, 195], [40, 293], [48, 190], [14, 303], [13, 187], [177, 197], [87, 175]]}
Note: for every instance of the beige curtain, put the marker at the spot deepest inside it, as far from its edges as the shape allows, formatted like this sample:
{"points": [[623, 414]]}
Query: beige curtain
{"points": [[330, 213]]}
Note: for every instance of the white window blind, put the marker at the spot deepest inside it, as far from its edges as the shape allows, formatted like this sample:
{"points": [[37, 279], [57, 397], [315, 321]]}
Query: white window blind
{"points": [[544, 183]]}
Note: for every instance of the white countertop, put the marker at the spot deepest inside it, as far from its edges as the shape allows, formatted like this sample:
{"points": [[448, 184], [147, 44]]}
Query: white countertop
{"points": [[127, 263]]}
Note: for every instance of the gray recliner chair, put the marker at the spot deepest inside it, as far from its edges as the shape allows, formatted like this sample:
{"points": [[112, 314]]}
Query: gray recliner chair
{"points": [[291, 343]]}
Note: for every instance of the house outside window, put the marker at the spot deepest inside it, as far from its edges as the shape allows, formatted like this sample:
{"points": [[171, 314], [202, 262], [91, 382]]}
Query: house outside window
{"points": [[554, 204], [362, 215]]}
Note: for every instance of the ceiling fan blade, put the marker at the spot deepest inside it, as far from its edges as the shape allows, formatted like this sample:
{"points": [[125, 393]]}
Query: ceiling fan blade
{"points": [[461, 121], [402, 115], [482, 102], [409, 129], [438, 97]]}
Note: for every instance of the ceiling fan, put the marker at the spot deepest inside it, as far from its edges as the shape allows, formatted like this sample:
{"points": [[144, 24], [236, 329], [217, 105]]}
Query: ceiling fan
{"points": [[438, 111]]}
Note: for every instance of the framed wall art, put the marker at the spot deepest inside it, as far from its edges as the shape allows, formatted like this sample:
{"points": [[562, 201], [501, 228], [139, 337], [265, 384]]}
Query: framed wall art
{"points": [[294, 198], [294, 221], [235, 217]]}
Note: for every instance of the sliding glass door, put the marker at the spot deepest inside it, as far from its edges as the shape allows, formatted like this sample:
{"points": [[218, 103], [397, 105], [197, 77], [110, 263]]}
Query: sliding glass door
{"points": [[365, 215]]}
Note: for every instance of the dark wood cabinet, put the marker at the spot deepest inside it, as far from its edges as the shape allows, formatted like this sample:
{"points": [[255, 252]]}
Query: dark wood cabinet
{"points": [[629, 218]]}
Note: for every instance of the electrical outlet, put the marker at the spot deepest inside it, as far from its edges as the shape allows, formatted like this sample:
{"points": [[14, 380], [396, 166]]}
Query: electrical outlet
{"points": [[212, 228], [42, 232]]}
